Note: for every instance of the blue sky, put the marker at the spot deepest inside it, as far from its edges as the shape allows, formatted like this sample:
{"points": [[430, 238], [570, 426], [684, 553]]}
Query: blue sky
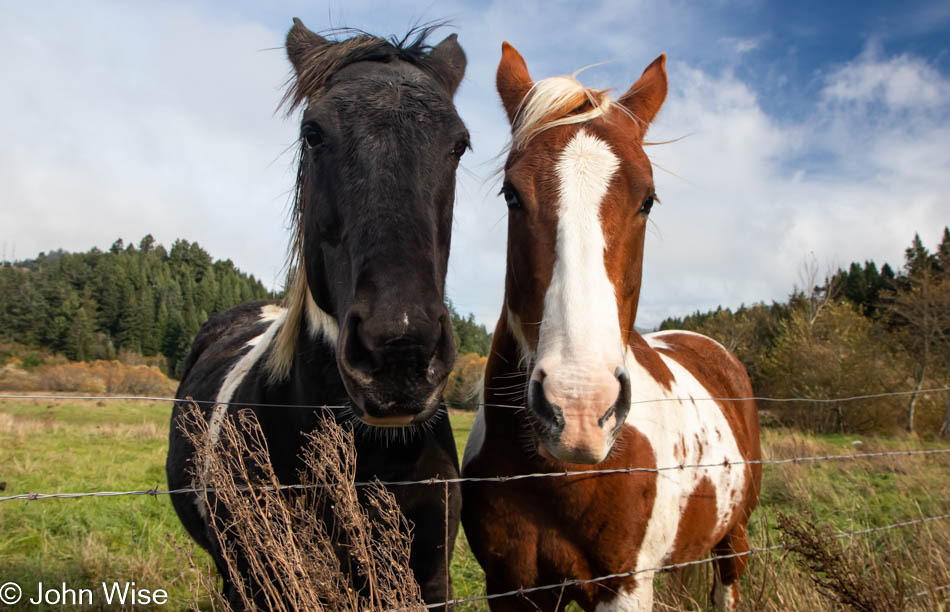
{"points": [[814, 131]]}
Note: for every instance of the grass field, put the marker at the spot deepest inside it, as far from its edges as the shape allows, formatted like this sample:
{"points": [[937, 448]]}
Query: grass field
{"points": [[72, 446]]}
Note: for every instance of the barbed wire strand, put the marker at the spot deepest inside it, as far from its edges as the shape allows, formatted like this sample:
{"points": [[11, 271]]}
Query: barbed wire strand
{"points": [[498, 479], [926, 592], [757, 398], [672, 566]]}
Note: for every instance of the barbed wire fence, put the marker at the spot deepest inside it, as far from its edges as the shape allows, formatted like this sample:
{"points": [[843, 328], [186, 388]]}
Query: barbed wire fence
{"points": [[445, 482]]}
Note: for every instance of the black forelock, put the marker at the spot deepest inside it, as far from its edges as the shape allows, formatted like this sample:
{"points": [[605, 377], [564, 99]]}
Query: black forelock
{"points": [[322, 62]]}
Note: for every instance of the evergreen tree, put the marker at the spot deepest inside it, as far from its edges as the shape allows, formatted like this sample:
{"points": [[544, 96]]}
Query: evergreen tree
{"points": [[470, 337], [917, 258], [80, 340], [131, 322], [146, 244], [87, 304], [943, 252]]}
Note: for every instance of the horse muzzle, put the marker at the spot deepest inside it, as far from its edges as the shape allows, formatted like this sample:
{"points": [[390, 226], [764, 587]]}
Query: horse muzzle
{"points": [[395, 373], [578, 423]]}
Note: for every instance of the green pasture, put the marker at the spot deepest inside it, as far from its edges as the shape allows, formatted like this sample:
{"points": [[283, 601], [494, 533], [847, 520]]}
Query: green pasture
{"points": [[76, 446]]}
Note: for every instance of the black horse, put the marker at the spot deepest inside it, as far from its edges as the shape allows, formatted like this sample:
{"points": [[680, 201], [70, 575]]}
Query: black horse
{"points": [[364, 322]]}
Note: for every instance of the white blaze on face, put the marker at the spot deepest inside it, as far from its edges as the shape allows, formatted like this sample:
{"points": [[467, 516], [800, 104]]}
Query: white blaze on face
{"points": [[580, 307], [580, 346]]}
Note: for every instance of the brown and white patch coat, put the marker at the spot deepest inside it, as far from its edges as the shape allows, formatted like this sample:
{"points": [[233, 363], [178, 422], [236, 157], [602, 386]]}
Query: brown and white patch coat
{"points": [[599, 396]]}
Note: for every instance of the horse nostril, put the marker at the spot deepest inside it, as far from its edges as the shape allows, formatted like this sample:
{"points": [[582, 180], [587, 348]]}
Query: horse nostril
{"points": [[356, 356], [444, 356], [549, 415], [622, 406]]}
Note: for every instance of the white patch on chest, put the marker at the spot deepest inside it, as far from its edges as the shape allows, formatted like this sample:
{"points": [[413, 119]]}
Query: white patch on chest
{"points": [[686, 429], [270, 312], [319, 323], [238, 372], [640, 599]]}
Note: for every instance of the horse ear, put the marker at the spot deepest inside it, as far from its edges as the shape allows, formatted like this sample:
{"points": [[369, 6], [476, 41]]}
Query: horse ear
{"points": [[450, 55], [646, 96], [512, 81], [300, 42]]}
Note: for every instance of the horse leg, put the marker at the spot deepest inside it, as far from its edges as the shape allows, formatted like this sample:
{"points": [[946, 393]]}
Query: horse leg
{"points": [[553, 600], [639, 599], [727, 571]]}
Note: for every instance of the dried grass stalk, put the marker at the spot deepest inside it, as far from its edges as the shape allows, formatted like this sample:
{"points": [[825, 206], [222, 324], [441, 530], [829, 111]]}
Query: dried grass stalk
{"points": [[323, 546], [842, 576]]}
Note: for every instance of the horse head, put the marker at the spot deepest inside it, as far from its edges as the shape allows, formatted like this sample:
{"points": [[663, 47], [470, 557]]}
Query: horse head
{"points": [[579, 189], [380, 142]]}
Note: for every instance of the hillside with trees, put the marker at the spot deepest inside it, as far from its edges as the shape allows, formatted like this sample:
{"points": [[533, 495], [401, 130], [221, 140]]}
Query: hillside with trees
{"points": [[138, 300], [144, 299], [862, 330]]}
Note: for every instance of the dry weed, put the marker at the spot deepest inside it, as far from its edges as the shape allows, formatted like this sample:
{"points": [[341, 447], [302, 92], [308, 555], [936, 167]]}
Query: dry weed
{"points": [[843, 575], [323, 547]]}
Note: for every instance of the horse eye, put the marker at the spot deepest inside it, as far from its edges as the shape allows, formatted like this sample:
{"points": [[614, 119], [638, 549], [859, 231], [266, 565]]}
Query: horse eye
{"points": [[312, 137], [460, 148], [647, 204], [511, 197]]}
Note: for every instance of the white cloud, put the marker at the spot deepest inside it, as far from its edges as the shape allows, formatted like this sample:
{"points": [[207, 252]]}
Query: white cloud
{"points": [[143, 121], [846, 183], [121, 121], [900, 82]]}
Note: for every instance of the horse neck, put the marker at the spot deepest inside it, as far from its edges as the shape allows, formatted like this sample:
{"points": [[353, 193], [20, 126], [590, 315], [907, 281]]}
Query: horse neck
{"points": [[315, 360]]}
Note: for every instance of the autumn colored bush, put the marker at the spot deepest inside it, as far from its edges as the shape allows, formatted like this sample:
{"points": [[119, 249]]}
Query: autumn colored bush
{"points": [[834, 352], [461, 390], [88, 377]]}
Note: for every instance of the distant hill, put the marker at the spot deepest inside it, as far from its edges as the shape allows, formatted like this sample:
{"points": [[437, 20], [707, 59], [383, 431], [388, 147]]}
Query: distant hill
{"points": [[145, 299]]}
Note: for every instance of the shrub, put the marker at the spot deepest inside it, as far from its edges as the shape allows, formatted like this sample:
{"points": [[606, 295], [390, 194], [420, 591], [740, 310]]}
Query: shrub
{"points": [[31, 361], [832, 352], [461, 390], [102, 377]]}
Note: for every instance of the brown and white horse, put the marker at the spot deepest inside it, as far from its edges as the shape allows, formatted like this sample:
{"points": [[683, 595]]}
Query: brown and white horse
{"points": [[579, 188]]}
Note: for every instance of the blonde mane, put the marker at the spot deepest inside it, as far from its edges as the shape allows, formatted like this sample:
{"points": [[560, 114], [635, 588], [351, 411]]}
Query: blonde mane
{"points": [[299, 303], [559, 100]]}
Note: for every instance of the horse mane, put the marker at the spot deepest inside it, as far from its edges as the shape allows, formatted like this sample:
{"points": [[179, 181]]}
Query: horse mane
{"points": [[320, 62], [559, 100], [317, 65]]}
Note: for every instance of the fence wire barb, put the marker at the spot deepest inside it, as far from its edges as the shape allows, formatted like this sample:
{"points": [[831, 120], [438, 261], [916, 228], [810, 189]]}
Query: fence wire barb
{"points": [[500, 479], [650, 571]]}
